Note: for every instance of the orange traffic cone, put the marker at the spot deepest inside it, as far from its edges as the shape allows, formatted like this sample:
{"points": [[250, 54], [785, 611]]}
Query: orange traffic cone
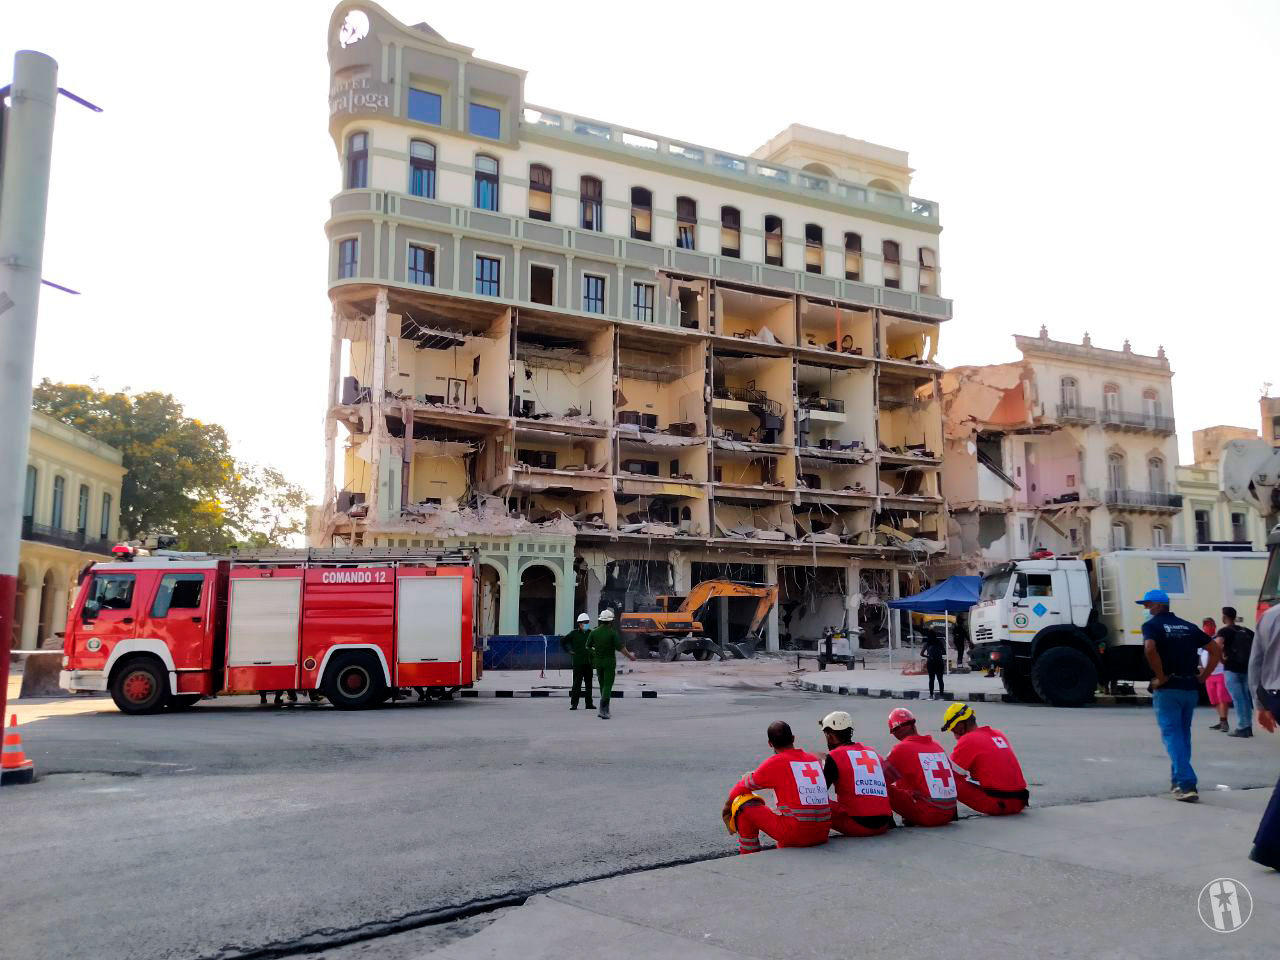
{"points": [[14, 765]]}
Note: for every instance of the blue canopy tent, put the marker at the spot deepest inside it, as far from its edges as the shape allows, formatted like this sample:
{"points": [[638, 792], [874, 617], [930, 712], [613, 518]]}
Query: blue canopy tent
{"points": [[952, 595]]}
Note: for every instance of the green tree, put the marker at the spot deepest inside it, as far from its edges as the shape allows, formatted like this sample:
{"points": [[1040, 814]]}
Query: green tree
{"points": [[181, 476]]}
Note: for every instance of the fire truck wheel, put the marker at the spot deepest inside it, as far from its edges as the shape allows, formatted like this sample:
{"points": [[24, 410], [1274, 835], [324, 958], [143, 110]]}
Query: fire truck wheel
{"points": [[354, 682], [140, 685], [183, 701]]}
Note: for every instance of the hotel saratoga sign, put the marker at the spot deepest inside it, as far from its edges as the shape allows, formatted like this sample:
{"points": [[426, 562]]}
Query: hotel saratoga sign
{"points": [[358, 94]]}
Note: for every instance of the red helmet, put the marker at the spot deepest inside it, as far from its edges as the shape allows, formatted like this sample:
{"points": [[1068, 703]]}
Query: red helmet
{"points": [[900, 716]]}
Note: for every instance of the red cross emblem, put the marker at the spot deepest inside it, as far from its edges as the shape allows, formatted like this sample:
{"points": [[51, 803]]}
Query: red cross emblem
{"points": [[942, 772], [866, 760], [810, 772]]}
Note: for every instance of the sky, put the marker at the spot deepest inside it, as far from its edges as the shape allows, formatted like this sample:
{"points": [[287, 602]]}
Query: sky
{"points": [[1107, 168]]}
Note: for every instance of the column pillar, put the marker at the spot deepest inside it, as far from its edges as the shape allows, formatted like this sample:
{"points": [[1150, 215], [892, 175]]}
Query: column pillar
{"points": [[58, 611], [771, 621], [564, 597], [330, 423], [377, 392], [895, 616], [853, 596], [31, 613], [509, 615]]}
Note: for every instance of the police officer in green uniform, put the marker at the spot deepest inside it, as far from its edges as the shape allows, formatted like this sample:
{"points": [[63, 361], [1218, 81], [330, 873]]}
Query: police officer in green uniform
{"points": [[575, 644], [604, 644]]}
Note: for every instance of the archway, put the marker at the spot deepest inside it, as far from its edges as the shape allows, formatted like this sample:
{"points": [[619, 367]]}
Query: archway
{"points": [[19, 609], [537, 611], [820, 169], [885, 185], [48, 593], [490, 600]]}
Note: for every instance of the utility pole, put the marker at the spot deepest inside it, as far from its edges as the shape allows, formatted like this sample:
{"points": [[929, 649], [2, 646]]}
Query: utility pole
{"points": [[25, 153]]}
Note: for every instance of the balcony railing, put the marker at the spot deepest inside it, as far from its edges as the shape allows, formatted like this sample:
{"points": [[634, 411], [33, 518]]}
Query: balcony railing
{"points": [[829, 404], [749, 395], [1142, 498], [56, 536], [1136, 420], [1074, 413]]}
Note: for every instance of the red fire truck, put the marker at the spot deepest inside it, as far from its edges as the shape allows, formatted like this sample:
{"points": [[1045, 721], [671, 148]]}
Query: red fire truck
{"points": [[355, 624]]}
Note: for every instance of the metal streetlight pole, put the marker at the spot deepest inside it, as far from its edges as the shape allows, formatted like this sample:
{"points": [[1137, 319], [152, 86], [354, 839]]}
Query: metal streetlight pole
{"points": [[24, 199]]}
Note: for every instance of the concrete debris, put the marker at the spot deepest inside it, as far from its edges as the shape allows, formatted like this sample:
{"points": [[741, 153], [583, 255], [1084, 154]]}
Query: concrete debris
{"points": [[489, 516], [629, 431], [979, 398], [649, 529]]}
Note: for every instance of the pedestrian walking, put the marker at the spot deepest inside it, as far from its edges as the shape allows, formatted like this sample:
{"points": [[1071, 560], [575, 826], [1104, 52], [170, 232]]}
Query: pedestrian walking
{"points": [[604, 643], [575, 644], [1215, 684], [1264, 681], [1237, 642], [1172, 649], [934, 651]]}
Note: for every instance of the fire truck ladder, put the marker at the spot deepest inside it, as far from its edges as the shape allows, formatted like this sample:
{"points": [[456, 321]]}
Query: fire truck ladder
{"points": [[459, 556]]}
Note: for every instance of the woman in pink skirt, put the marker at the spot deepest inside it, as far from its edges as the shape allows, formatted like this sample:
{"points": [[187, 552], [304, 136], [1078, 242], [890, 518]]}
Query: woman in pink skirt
{"points": [[1215, 684]]}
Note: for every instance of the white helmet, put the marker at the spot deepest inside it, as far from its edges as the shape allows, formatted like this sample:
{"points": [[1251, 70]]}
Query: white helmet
{"points": [[606, 616], [584, 618]]}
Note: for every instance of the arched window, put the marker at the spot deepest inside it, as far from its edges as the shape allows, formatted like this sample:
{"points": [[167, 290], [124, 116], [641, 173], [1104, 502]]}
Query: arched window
{"points": [[358, 161], [82, 510], [1111, 398], [1070, 388], [1116, 471], [1119, 535], [591, 192], [853, 256], [730, 232], [813, 248], [106, 517], [1156, 480], [892, 255], [539, 192], [486, 182], [928, 270], [773, 240], [422, 169], [884, 185], [1159, 536], [59, 496], [641, 214], [686, 223], [1150, 404]]}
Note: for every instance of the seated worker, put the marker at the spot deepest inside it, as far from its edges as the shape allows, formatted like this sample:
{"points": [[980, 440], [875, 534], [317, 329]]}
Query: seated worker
{"points": [[857, 772], [922, 785], [799, 789], [990, 777]]}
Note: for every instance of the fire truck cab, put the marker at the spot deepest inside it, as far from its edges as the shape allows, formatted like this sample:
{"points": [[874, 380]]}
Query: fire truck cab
{"points": [[355, 625]]}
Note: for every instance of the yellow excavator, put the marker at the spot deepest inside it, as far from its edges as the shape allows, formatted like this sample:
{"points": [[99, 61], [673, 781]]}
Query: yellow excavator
{"points": [[673, 628]]}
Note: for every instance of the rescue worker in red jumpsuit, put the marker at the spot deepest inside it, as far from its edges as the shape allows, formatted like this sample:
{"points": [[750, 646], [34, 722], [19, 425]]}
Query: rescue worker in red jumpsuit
{"points": [[989, 777], [922, 785], [795, 776], [857, 772]]}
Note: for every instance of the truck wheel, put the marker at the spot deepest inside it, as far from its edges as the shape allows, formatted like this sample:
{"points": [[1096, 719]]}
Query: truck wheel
{"points": [[668, 650], [354, 682], [1017, 684], [702, 653], [1064, 677], [183, 701], [140, 685]]}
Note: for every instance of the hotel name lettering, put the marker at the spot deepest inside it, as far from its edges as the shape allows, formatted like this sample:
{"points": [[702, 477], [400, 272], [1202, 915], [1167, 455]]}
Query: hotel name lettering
{"points": [[358, 95]]}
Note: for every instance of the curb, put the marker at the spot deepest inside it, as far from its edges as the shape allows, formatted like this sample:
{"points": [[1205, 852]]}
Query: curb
{"points": [[882, 693], [545, 694]]}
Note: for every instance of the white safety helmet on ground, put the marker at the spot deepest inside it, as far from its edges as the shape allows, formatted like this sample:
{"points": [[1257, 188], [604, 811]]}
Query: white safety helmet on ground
{"points": [[606, 616], [584, 618]]}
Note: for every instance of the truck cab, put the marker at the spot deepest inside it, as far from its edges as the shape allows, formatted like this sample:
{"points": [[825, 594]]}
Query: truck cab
{"points": [[1027, 608], [147, 630]]}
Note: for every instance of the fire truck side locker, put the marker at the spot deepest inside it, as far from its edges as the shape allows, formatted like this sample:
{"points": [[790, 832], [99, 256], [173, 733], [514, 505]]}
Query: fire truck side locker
{"points": [[263, 616], [433, 626], [347, 610]]}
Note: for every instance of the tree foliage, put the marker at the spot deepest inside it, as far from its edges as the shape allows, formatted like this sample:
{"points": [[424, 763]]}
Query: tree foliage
{"points": [[181, 476]]}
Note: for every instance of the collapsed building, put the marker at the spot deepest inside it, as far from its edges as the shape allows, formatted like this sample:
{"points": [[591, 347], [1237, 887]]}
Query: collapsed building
{"points": [[616, 364], [1071, 449]]}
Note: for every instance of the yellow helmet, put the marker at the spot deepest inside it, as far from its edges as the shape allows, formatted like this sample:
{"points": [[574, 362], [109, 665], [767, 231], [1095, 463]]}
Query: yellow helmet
{"points": [[739, 802], [956, 713]]}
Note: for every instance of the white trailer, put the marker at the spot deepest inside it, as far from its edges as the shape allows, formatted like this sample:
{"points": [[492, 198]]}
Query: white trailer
{"points": [[1059, 626]]}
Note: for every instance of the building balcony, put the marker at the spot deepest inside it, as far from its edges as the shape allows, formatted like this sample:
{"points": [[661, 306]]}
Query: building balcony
{"points": [[1140, 500], [55, 536], [823, 408], [362, 209], [745, 398], [1073, 413], [1130, 420]]}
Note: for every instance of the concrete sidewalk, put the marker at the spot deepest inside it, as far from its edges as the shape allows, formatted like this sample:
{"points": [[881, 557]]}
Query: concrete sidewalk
{"points": [[1117, 878], [884, 681]]}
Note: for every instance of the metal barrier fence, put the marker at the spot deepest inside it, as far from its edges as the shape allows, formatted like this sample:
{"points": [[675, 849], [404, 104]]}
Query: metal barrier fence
{"points": [[525, 652]]}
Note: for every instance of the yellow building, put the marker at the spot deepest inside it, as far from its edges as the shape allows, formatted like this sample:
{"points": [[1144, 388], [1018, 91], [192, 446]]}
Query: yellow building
{"points": [[70, 517]]}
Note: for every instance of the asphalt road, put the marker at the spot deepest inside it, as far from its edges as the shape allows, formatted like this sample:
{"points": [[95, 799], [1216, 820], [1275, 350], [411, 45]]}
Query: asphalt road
{"points": [[230, 828]]}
